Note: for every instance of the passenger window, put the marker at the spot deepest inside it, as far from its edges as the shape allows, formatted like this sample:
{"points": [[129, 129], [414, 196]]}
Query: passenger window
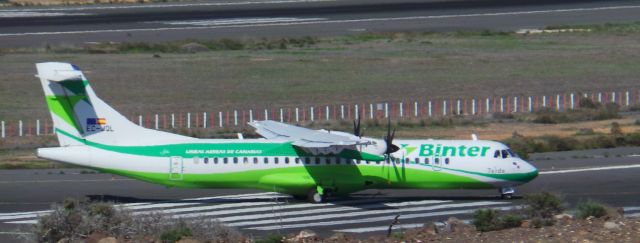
{"points": [[275, 160], [357, 161], [496, 154], [426, 161], [307, 160], [235, 160], [215, 160], [255, 160], [245, 160], [196, 159], [297, 160], [327, 161], [378, 162], [406, 160], [504, 154], [446, 161], [417, 160], [317, 160], [226, 160], [266, 160], [338, 161], [436, 161], [206, 160]]}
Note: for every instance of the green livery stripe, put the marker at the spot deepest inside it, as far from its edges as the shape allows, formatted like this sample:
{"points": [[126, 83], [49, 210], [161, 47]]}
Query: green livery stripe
{"points": [[190, 150], [299, 179]]}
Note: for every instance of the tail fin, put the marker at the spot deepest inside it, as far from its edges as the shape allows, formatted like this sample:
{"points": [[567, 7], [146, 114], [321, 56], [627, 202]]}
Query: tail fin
{"points": [[80, 116]]}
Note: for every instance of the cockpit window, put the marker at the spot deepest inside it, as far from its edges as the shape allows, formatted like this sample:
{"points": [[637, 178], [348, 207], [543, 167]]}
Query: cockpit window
{"points": [[496, 154], [513, 154], [505, 154]]}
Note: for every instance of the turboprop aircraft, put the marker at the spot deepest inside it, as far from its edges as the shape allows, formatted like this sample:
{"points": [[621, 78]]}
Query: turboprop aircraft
{"points": [[304, 163]]}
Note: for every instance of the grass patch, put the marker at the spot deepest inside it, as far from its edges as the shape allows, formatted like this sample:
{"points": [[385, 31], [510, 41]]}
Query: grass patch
{"points": [[491, 219]]}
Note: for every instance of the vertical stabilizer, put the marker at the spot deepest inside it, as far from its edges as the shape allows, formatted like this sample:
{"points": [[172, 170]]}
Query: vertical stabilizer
{"points": [[79, 115]]}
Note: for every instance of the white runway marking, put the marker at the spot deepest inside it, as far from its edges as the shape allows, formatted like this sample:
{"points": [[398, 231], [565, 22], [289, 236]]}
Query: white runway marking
{"points": [[372, 219], [174, 5], [25, 14], [615, 167], [360, 213], [217, 22], [380, 228], [515, 13]]}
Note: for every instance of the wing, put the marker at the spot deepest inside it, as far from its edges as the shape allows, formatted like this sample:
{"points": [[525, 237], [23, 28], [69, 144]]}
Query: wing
{"points": [[304, 137]]}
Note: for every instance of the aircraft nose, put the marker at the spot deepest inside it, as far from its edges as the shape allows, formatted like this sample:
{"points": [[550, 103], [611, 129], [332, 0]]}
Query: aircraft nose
{"points": [[532, 171]]}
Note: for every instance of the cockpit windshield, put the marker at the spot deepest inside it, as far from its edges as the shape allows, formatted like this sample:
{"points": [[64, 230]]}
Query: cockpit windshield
{"points": [[505, 153]]}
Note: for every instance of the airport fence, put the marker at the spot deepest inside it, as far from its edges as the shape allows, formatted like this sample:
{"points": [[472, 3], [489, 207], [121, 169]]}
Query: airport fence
{"points": [[420, 109]]}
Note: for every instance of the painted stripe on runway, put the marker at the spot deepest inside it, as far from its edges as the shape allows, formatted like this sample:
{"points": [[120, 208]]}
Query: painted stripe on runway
{"points": [[216, 22], [30, 221], [14, 233], [174, 5], [271, 209], [52, 181], [380, 228], [201, 200], [372, 219], [25, 14], [616, 167], [325, 210], [363, 213], [329, 21], [139, 206], [629, 209]]}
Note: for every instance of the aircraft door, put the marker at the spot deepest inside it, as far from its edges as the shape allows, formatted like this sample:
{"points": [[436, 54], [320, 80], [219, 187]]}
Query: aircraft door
{"points": [[176, 168]]}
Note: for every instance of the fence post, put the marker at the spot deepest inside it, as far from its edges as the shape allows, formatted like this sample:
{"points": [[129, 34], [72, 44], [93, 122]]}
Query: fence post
{"points": [[626, 99], [515, 104], [327, 113], [204, 119], [488, 105], [544, 101], [357, 112], [281, 115], [20, 128], [2, 131], [219, 118], [473, 106], [235, 118], [501, 104], [371, 110], [251, 115], [557, 102], [458, 107], [444, 107], [156, 121], [311, 113], [140, 120], [188, 119], [386, 110], [599, 97], [37, 127], [530, 105], [173, 120], [572, 101], [266, 114], [341, 112], [401, 109], [613, 97], [429, 109], [297, 114]]}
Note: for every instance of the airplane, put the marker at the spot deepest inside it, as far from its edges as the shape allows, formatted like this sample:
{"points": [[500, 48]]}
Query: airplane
{"points": [[307, 164]]}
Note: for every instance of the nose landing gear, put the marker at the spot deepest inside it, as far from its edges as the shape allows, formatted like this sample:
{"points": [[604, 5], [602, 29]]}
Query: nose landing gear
{"points": [[318, 195], [506, 192]]}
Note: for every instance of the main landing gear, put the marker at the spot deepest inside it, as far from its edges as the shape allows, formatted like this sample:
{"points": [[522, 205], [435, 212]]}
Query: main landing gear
{"points": [[507, 192], [317, 195]]}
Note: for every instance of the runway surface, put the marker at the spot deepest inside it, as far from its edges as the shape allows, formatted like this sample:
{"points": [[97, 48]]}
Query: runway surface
{"points": [[608, 176], [38, 26]]}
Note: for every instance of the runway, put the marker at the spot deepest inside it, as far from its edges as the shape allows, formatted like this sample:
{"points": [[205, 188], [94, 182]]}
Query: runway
{"points": [[39, 26], [610, 179]]}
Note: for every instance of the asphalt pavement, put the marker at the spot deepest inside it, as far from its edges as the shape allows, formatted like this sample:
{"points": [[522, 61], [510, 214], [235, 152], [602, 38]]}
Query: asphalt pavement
{"points": [[612, 180], [39, 26]]}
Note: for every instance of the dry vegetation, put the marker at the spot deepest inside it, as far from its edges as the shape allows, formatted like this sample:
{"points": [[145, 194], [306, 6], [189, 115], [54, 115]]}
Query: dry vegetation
{"points": [[141, 78]]}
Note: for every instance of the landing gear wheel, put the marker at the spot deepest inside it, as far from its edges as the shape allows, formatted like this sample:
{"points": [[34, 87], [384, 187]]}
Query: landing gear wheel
{"points": [[315, 197], [507, 192]]}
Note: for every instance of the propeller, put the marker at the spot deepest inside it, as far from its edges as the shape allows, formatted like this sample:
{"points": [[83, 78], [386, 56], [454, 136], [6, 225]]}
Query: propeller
{"points": [[391, 148], [356, 128]]}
